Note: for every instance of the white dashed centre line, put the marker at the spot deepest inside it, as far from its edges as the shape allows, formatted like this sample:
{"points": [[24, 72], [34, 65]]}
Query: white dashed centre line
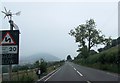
{"points": [[79, 73], [74, 69]]}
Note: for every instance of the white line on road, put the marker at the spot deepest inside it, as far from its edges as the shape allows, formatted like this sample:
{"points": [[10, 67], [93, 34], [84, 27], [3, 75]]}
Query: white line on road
{"points": [[74, 69], [79, 73], [46, 75], [88, 82], [52, 75]]}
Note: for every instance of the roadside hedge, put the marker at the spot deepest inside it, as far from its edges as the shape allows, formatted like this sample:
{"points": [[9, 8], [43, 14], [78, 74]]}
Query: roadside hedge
{"points": [[107, 60]]}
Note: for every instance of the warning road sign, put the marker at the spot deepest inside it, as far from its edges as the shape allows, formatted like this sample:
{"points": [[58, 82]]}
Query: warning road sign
{"points": [[9, 47], [7, 39]]}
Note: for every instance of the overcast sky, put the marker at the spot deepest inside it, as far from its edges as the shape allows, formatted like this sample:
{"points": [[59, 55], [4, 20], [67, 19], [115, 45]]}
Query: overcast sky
{"points": [[44, 26]]}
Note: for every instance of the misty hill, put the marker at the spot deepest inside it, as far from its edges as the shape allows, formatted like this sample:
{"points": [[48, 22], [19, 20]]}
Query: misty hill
{"points": [[35, 57]]}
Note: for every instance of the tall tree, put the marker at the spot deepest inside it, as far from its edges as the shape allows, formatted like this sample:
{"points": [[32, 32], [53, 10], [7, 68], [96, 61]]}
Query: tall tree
{"points": [[69, 58], [87, 35]]}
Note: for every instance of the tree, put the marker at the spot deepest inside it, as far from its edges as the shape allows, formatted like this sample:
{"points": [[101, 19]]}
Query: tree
{"points": [[83, 52], [36, 64], [42, 65], [69, 58], [87, 35], [100, 49]]}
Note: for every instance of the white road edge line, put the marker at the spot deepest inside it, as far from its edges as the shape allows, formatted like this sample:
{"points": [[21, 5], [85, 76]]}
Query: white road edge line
{"points": [[52, 75], [47, 75], [79, 73], [88, 82], [74, 69]]}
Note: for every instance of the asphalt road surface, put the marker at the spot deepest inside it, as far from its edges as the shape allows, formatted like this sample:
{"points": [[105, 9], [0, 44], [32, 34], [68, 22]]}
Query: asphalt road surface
{"points": [[72, 72]]}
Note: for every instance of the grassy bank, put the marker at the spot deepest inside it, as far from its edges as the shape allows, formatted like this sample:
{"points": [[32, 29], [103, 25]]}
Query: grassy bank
{"points": [[107, 60], [29, 75]]}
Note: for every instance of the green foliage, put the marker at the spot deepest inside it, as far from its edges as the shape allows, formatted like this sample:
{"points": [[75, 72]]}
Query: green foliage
{"points": [[43, 67], [106, 60], [88, 32], [111, 43], [84, 52], [27, 79], [108, 56], [69, 58], [92, 52], [87, 35], [36, 64], [22, 67], [23, 76]]}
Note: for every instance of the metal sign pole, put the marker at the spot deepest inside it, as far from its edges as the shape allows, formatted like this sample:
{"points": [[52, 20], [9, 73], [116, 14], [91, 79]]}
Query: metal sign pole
{"points": [[10, 66], [10, 72]]}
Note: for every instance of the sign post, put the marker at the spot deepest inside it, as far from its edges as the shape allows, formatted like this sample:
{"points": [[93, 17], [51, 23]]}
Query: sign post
{"points": [[10, 43], [10, 66]]}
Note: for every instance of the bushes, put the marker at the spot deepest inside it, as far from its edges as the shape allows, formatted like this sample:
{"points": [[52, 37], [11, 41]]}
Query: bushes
{"points": [[27, 79], [106, 60], [92, 59], [22, 77], [43, 67], [110, 56]]}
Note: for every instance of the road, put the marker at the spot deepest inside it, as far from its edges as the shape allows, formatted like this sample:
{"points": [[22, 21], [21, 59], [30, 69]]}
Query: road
{"points": [[72, 72]]}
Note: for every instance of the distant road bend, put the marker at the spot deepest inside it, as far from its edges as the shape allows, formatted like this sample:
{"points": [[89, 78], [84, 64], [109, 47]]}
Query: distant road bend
{"points": [[70, 72]]}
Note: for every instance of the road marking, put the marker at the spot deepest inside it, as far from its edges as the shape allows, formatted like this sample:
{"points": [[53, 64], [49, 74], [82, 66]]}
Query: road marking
{"points": [[88, 82], [74, 69], [79, 73], [52, 75], [47, 75]]}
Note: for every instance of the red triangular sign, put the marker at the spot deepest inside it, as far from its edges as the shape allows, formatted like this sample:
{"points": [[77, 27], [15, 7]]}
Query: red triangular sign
{"points": [[8, 39]]}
